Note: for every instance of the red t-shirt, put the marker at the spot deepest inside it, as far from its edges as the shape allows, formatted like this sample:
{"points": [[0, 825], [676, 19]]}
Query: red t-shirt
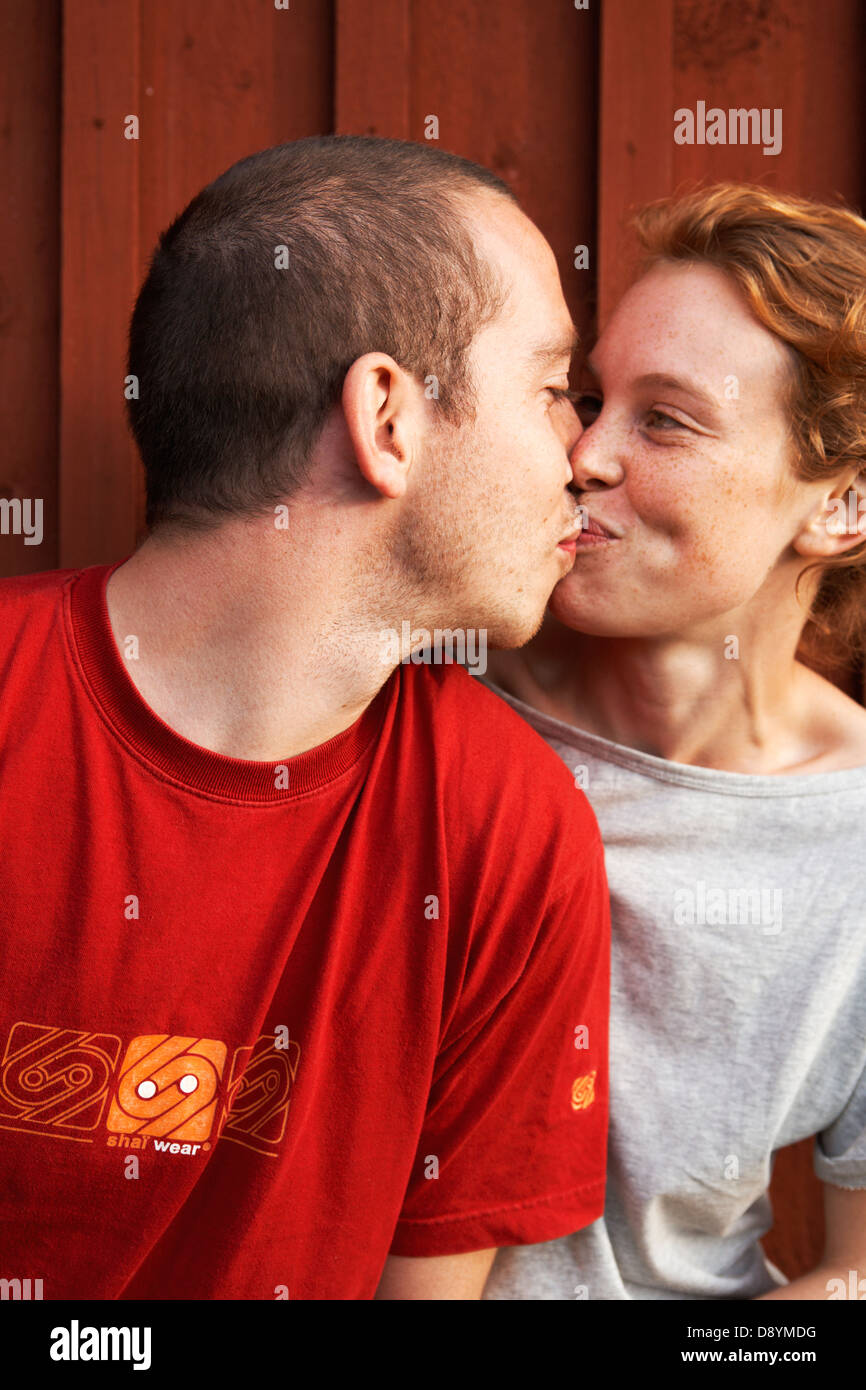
{"points": [[263, 1023]]}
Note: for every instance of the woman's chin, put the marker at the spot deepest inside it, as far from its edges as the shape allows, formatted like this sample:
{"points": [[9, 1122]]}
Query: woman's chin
{"points": [[583, 612], [603, 614], [579, 611]]}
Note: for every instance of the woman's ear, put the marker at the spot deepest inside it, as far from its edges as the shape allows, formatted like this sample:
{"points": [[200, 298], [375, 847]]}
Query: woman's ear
{"points": [[839, 523]]}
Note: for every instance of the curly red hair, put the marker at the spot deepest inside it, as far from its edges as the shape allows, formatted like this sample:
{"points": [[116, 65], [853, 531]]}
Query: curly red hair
{"points": [[801, 266]]}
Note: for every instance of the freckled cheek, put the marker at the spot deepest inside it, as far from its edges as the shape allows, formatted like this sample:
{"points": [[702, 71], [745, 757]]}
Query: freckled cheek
{"points": [[689, 504], [670, 509]]}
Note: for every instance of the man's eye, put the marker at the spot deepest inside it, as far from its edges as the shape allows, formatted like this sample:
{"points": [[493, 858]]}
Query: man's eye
{"points": [[560, 394]]}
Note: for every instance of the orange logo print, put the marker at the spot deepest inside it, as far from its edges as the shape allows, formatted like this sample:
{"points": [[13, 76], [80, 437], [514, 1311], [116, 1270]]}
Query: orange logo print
{"points": [[168, 1087], [55, 1080], [583, 1092], [259, 1092]]}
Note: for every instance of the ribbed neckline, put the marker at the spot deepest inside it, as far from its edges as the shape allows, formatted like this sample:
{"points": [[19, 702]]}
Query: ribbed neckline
{"points": [[148, 736], [709, 779]]}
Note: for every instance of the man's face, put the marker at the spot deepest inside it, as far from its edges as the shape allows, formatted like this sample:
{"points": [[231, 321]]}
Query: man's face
{"points": [[486, 512]]}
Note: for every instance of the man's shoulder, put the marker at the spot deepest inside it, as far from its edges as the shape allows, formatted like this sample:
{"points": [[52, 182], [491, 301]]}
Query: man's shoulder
{"points": [[27, 598], [466, 711], [23, 591], [492, 758]]}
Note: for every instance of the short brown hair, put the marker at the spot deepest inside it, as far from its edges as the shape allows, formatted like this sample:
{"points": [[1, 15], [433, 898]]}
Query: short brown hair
{"points": [[801, 266], [239, 362]]}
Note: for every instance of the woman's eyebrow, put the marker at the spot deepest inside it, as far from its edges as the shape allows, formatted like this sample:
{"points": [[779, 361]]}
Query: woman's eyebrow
{"points": [[675, 383], [665, 381]]}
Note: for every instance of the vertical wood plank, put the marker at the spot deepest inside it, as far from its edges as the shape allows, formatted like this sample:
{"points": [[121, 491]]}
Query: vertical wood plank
{"points": [[664, 55], [796, 1241], [635, 129], [372, 68], [214, 92], [514, 88], [30, 272], [787, 58], [833, 135], [210, 93], [99, 200]]}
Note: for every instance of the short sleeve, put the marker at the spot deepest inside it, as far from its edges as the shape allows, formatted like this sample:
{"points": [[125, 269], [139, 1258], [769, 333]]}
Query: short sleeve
{"points": [[840, 1150], [513, 1146]]}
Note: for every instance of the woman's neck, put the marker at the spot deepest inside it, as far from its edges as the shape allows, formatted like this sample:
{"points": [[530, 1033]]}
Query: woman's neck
{"points": [[745, 706]]}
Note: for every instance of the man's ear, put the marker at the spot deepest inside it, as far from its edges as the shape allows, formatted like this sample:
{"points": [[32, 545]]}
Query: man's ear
{"points": [[381, 419], [839, 522]]}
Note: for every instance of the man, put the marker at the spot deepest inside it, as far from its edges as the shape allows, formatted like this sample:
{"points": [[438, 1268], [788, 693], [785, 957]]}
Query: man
{"points": [[305, 955]]}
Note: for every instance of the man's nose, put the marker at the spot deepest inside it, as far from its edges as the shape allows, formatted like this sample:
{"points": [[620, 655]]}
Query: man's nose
{"points": [[570, 431]]}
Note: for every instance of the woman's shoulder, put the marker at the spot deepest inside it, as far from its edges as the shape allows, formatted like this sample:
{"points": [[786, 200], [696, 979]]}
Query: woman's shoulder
{"points": [[836, 725]]}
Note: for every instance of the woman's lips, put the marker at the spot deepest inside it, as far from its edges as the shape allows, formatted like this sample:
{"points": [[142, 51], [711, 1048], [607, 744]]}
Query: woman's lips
{"points": [[594, 533]]}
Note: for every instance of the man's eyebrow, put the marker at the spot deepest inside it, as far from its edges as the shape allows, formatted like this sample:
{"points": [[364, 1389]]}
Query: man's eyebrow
{"points": [[567, 346]]}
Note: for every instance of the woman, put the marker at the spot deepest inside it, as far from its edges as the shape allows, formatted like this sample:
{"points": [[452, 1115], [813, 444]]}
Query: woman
{"points": [[720, 473]]}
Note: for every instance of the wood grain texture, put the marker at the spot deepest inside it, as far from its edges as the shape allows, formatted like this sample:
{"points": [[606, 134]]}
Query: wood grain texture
{"points": [[635, 130], [796, 1241], [796, 56], [30, 272], [99, 209], [373, 68], [514, 87]]}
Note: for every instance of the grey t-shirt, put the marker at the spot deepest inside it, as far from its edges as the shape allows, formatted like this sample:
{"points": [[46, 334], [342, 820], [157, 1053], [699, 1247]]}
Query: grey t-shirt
{"points": [[738, 1017]]}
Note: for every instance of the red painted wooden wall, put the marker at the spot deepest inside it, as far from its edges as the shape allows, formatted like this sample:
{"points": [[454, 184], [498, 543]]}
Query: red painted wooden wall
{"points": [[574, 107]]}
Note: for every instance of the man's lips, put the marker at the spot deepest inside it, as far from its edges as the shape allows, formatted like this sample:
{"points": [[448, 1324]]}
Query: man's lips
{"points": [[571, 536]]}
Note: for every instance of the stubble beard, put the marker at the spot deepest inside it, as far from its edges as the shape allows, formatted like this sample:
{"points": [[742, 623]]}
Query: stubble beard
{"points": [[450, 551]]}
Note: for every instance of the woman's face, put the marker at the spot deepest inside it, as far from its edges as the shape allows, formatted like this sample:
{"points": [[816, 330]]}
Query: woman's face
{"points": [[685, 459]]}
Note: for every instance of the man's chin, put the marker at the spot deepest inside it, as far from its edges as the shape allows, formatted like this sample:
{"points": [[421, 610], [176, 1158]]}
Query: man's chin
{"points": [[508, 635]]}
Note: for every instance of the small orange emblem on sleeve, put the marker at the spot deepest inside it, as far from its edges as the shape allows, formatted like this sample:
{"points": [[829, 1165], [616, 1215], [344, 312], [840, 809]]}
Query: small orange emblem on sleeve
{"points": [[583, 1092]]}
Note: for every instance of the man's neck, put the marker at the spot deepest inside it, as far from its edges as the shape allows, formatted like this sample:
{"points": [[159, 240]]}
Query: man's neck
{"points": [[245, 646]]}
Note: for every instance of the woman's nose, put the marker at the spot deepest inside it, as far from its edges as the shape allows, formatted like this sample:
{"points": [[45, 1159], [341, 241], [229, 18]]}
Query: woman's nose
{"points": [[596, 459]]}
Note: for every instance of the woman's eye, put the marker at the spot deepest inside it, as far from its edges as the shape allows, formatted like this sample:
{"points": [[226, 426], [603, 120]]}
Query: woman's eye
{"points": [[659, 420], [588, 406]]}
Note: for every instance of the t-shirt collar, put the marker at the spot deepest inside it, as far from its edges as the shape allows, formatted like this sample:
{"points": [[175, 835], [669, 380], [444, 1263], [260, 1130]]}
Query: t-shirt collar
{"points": [[148, 736]]}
